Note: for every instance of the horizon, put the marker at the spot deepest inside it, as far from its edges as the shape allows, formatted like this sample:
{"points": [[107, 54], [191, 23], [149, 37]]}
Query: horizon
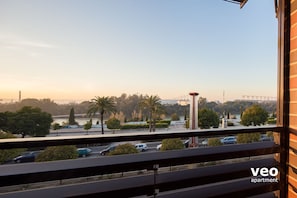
{"points": [[167, 48], [71, 101]]}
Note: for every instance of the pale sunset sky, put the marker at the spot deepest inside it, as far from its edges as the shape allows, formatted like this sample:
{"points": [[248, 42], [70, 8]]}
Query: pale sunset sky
{"points": [[77, 49]]}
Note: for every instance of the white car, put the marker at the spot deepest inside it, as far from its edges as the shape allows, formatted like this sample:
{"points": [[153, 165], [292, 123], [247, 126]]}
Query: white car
{"points": [[204, 142], [141, 147], [159, 146]]}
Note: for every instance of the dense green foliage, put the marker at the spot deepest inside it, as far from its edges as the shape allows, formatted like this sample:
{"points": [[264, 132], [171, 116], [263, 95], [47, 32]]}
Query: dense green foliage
{"points": [[54, 153], [113, 123], [124, 149], [172, 144], [248, 137], [143, 126], [254, 115], [8, 154], [56, 126], [214, 142], [71, 120], [88, 125], [208, 118], [26, 121]]}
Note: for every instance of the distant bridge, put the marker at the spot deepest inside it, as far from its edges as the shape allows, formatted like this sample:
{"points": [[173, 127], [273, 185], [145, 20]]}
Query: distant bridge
{"points": [[258, 98]]}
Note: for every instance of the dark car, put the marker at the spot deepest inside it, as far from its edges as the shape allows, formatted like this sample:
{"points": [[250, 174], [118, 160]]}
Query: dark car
{"points": [[83, 152], [107, 149], [186, 143], [26, 157]]}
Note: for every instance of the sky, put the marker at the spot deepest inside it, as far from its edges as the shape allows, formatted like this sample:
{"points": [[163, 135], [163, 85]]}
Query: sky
{"points": [[75, 50]]}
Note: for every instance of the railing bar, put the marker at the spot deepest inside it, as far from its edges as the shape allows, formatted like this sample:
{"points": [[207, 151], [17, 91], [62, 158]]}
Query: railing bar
{"points": [[46, 171], [120, 137], [140, 185], [233, 188]]}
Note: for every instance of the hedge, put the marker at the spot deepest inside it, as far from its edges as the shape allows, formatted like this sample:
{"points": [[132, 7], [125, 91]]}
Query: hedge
{"points": [[143, 126]]}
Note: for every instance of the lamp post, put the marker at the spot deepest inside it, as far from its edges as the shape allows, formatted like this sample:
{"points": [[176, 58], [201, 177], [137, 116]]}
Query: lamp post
{"points": [[194, 116]]}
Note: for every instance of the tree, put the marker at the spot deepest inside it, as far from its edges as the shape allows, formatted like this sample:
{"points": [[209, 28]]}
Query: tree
{"points": [[124, 149], [113, 123], [29, 121], [88, 125], [53, 153], [56, 126], [72, 117], [153, 106], [254, 115], [208, 118], [103, 105], [172, 144]]}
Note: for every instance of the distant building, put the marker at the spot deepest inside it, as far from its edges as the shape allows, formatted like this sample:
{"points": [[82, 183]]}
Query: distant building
{"points": [[169, 102]]}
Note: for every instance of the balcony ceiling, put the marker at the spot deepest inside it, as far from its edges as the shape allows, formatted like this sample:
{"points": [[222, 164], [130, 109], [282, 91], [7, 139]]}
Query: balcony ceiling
{"points": [[240, 2]]}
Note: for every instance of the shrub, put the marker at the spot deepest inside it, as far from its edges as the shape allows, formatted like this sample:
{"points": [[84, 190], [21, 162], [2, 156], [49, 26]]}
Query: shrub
{"points": [[53, 153], [248, 137], [214, 142], [113, 123], [164, 122], [8, 154], [175, 117], [172, 144], [271, 121], [56, 126], [124, 149], [143, 126]]}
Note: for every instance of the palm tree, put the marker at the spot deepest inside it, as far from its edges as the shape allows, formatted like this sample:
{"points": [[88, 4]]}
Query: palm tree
{"points": [[153, 106], [102, 105]]}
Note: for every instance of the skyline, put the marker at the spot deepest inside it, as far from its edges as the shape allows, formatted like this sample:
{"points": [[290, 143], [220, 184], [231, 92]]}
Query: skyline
{"points": [[78, 50]]}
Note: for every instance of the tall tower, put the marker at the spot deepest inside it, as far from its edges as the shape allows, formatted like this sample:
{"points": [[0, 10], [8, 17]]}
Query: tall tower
{"points": [[193, 110], [193, 116], [20, 96]]}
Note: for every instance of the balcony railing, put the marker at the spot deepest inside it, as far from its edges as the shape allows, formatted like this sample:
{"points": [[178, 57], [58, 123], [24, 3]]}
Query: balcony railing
{"points": [[222, 171]]}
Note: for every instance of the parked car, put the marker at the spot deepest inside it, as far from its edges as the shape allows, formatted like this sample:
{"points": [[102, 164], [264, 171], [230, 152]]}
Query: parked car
{"points": [[159, 146], [229, 140], [141, 147], [204, 142], [26, 157], [186, 143], [107, 149], [83, 152], [265, 137]]}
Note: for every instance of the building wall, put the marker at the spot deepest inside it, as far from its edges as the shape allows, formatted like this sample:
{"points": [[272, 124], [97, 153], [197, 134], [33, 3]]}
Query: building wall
{"points": [[292, 75]]}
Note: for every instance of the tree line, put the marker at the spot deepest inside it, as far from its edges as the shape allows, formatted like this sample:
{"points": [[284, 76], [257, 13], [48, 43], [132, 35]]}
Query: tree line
{"points": [[127, 106]]}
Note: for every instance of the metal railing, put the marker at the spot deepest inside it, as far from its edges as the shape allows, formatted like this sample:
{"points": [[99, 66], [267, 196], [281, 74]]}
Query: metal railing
{"points": [[222, 171]]}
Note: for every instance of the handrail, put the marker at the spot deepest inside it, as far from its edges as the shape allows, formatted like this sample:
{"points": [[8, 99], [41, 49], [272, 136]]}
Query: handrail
{"points": [[120, 137]]}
